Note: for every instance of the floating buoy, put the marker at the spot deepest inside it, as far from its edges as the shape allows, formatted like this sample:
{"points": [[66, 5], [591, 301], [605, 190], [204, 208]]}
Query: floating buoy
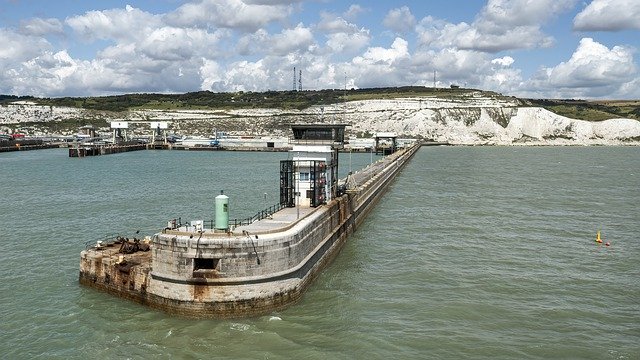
{"points": [[607, 244], [598, 240]]}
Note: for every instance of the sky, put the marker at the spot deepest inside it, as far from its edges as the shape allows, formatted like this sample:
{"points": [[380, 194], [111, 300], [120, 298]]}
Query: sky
{"points": [[526, 48]]}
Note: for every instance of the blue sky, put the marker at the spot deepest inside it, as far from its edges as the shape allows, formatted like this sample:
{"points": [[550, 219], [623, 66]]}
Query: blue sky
{"points": [[527, 48]]}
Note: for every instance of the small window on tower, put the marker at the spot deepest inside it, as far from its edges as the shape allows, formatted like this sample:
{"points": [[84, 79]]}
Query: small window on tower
{"points": [[205, 264], [304, 176]]}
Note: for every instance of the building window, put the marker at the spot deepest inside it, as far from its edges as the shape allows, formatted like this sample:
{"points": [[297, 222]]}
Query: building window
{"points": [[304, 176]]}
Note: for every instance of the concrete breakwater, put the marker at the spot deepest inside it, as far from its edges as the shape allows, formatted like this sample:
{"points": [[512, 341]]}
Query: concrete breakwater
{"points": [[83, 151], [27, 147], [245, 271]]}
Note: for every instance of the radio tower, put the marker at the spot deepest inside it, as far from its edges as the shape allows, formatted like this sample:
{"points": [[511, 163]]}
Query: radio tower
{"points": [[294, 78], [300, 81]]}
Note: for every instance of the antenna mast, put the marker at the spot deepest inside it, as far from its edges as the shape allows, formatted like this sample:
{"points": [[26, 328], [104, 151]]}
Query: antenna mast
{"points": [[294, 78], [300, 81]]}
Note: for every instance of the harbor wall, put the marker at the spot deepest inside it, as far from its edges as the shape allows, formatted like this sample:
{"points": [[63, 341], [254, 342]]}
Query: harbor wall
{"points": [[245, 277]]}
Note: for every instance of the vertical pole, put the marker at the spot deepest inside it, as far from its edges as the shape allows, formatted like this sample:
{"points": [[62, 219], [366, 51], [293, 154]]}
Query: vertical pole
{"points": [[371, 153], [296, 189]]}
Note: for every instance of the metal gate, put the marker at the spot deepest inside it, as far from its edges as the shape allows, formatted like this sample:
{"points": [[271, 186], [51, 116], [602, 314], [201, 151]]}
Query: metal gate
{"points": [[287, 185]]}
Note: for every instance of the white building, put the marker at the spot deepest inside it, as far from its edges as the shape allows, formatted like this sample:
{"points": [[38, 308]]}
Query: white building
{"points": [[310, 176]]}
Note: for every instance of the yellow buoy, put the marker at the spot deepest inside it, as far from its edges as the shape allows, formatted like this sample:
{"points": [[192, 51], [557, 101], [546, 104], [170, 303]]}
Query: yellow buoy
{"points": [[598, 240]]}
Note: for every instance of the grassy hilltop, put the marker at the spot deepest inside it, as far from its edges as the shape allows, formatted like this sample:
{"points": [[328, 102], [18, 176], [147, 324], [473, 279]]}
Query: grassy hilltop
{"points": [[576, 109], [596, 110]]}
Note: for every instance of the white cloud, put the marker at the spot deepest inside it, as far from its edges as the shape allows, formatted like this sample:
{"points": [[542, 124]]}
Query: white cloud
{"points": [[350, 43], [377, 55], [51, 69], [457, 65], [466, 68], [380, 66], [504, 80], [400, 20], [331, 23], [297, 40], [271, 2], [229, 45], [629, 90], [251, 43], [342, 35], [234, 14], [292, 40], [114, 24], [499, 15], [211, 75], [501, 25], [169, 43], [353, 11], [41, 27], [503, 61], [17, 47], [609, 15], [246, 76], [592, 71]]}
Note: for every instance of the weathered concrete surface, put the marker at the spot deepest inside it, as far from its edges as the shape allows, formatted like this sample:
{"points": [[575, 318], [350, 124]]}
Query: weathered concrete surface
{"points": [[253, 270]]}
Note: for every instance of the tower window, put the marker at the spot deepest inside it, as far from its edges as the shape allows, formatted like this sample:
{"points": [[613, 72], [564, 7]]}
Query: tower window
{"points": [[205, 264]]}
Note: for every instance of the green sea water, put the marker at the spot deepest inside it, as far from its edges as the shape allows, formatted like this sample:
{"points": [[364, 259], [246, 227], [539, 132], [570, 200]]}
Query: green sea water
{"points": [[473, 252]]}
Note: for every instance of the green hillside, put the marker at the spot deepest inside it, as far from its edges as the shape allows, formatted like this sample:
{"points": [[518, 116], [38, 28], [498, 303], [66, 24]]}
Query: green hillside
{"points": [[243, 100], [590, 110], [576, 109]]}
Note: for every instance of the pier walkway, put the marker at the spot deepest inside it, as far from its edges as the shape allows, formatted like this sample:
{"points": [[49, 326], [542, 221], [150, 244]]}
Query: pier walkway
{"points": [[277, 221]]}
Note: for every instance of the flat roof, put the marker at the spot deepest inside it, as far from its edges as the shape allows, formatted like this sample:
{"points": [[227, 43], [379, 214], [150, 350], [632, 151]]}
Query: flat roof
{"points": [[386, 135], [318, 126]]}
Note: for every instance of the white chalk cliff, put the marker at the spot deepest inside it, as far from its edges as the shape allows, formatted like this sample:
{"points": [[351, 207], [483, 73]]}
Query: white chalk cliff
{"points": [[487, 124], [475, 120]]}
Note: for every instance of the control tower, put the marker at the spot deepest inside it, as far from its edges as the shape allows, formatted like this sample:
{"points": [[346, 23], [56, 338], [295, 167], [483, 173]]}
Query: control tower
{"points": [[309, 178]]}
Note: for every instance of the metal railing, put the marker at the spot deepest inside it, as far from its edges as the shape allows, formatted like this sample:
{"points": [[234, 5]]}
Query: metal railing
{"points": [[258, 216], [210, 224]]}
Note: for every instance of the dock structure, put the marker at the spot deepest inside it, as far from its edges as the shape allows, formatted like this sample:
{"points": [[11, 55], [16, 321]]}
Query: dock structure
{"points": [[386, 143], [18, 142], [255, 267], [83, 150], [19, 146]]}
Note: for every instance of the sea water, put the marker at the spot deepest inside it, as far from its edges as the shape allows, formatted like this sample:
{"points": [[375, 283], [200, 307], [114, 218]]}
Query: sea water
{"points": [[473, 252]]}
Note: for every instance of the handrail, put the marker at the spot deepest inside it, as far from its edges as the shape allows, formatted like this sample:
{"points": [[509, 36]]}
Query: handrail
{"points": [[262, 214], [252, 244]]}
